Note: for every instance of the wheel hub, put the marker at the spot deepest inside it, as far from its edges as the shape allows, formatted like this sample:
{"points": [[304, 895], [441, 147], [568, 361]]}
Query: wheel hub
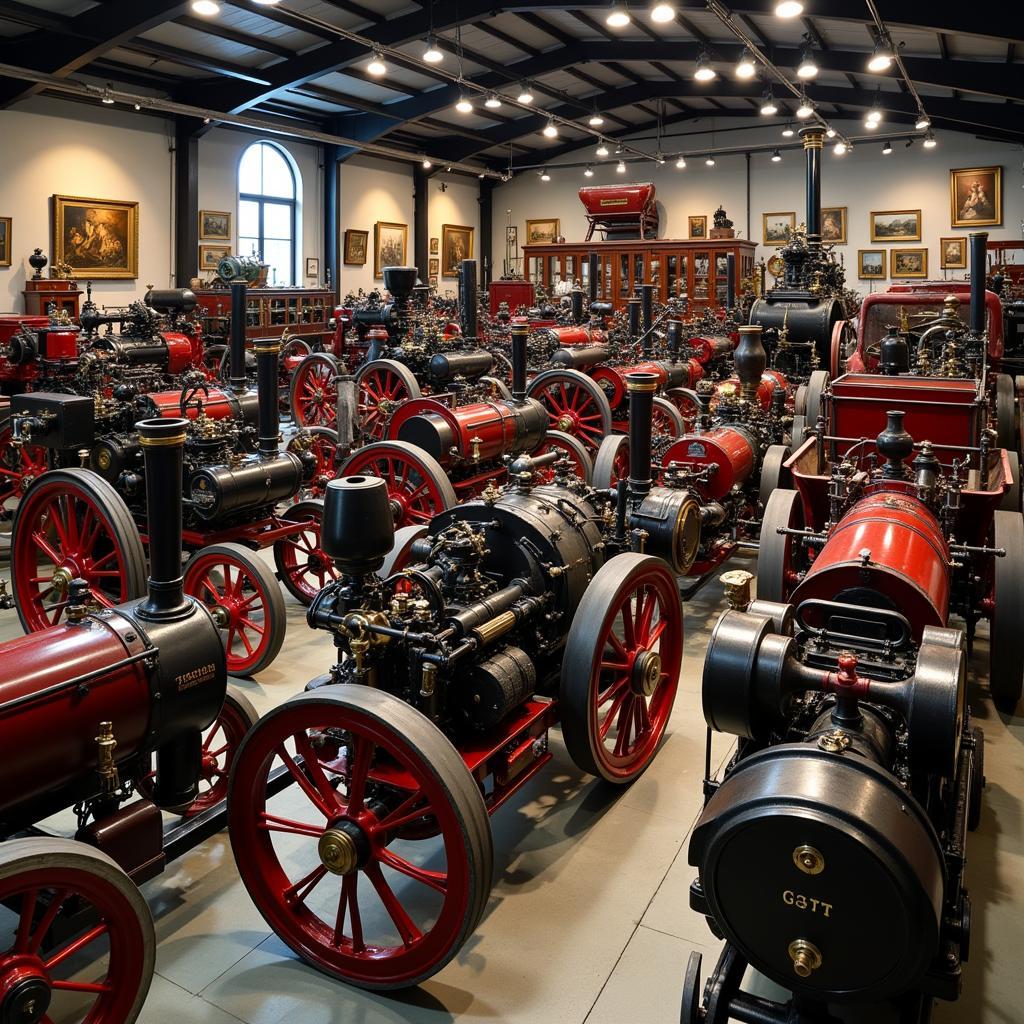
{"points": [[221, 616], [565, 423], [343, 848], [62, 578], [646, 673], [26, 996]]}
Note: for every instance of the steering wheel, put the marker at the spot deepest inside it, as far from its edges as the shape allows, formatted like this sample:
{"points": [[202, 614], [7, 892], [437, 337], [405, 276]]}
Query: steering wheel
{"points": [[192, 394]]}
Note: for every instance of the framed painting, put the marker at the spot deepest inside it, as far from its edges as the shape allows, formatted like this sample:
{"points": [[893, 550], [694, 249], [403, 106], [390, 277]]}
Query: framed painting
{"points": [[390, 246], [312, 266], [5, 241], [433, 283], [211, 255], [871, 264], [777, 227], [456, 246], [356, 243], [435, 246], [542, 232], [512, 236], [908, 263], [96, 238], [698, 226], [976, 197], [435, 266], [214, 225], [833, 225], [953, 253], [895, 225]]}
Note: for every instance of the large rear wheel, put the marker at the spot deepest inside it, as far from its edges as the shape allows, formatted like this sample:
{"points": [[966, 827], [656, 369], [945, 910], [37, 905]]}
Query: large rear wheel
{"points": [[575, 403], [314, 391], [1006, 625], [382, 386]]}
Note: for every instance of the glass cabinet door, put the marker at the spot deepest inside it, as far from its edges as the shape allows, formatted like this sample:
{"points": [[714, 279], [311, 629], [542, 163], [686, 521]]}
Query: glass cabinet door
{"points": [[684, 286], [535, 270], [701, 274], [624, 282], [721, 278]]}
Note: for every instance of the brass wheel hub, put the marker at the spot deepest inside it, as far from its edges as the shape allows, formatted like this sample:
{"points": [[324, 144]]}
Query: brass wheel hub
{"points": [[62, 578], [221, 616], [338, 852], [565, 424], [646, 673]]}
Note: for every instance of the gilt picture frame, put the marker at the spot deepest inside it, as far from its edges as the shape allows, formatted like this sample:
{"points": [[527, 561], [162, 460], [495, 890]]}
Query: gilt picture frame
{"points": [[456, 246], [215, 225], [390, 246], [904, 263], [6, 226], [833, 225], [97, 238], [355, 247], [953, 253], [895, 225], [211, 255], [543, 232], [871, 264], [976, 197], [776, 227], [697, 225]]}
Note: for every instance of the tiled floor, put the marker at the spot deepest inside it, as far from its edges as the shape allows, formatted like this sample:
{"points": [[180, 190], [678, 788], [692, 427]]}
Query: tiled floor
{"points": [[588, 919]]}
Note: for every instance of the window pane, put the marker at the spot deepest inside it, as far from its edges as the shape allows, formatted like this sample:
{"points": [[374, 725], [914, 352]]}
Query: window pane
{"points": [[277, 175], [250, 170], [277, 221], [279, 256], [249, 218], [248, 245]]}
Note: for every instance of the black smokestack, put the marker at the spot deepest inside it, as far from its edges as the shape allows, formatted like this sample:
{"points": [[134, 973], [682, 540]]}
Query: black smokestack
{"points": [[641, 387], [647, 298], [675, 339], [577, 305], [520, 335], [633, 309], [813, 137], [268, 351], [595, 271], [467, 297], [163, 441], [979, 244], [236, 376], [730, 280]]}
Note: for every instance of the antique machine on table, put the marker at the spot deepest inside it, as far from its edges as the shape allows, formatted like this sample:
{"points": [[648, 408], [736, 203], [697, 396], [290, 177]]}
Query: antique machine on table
{"points": [[235, 477], [913, 529], [728, 463], [620, 211], [830, 855], [460, 644], [109, 703]]}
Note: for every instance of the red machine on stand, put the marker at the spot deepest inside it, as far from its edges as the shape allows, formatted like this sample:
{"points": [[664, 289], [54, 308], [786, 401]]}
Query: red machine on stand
{"points": [[620, 211]]}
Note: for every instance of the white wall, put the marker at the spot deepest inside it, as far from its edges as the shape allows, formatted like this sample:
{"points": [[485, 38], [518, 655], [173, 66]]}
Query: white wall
{"points": [[862, 180], [459, 205], [53, 147]]}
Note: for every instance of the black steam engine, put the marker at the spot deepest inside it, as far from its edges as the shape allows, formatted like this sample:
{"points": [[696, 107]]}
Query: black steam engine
{"points": [[460, 643]]}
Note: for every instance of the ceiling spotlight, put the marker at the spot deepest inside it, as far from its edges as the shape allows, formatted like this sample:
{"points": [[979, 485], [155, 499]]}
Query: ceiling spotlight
{"points": [[266, 3], [464, 106], [830, 132], [432, 55], [923, 122], [589, 172], [887, 149], [870, 125], [550, 131], [107, 98], [681, 164], [710, 160], [377, 67], [776, 156], [929, 141], [207, 8], [807, 68], [788, 9], [705, 72], [618, 17], [544, 176], [805, 109], [746, 68], [662, 12], [596, 120], [138, 106], [620, 168], [788, 132], [768, 107], [602, 150], [840, 148], [881, 57], [492, 101], [525, 95]]}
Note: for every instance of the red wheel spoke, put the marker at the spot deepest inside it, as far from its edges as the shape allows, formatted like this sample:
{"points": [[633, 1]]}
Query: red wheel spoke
{"points": [[622, 726], [44, 545], [315, 771], [405, 813], [295, 895], [349, 889], [616, 645], [436, 880], [95, 988], [406, 928], [655, 635], [272, 823], [102, 598], [629, 634], [320, 802], [643, 718], [28, 909], [359, 770], [644, 618], [615, 709], [76, 946]]}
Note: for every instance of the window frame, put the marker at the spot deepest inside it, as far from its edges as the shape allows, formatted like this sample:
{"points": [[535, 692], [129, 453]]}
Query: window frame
{"points": [[262, 200]]}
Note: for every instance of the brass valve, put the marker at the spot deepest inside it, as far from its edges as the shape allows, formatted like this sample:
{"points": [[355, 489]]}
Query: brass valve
{"points": [[806, 957], [110, 781]]}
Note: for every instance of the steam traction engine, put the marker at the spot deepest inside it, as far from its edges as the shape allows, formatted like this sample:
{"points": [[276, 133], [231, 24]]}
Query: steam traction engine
{"points": [[913, 536], [85, 706], [855, 781], [460, 644]]}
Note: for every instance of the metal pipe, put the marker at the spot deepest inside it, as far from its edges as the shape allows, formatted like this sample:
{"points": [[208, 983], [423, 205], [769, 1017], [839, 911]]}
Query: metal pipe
{"points": [[675, 339], [633, 310], [979, 244], [268, 351], [467, 298], [577, 305], [730, 280], [520, 337], [641, 388], [813, 138], [647, 305], [237, 378]]}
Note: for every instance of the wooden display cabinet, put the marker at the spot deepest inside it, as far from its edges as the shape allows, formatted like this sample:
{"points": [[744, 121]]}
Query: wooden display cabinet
{"points": [[303, 312], [695, 268], [63, 295]]}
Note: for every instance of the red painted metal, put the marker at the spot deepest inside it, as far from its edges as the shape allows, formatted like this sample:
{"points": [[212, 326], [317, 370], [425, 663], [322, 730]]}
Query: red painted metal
{"points": [[620, 207], [217, 404], [569, 337], [728, 449], [706, 350], [518, 295], [492, 422], [770, 381], [184, 351]]}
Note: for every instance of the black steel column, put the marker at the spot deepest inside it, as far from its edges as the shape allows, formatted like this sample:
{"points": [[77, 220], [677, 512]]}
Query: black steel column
{"points": [[979, 244], [186, 200], [421, 220], [237, 378], [641, 388], [814, 137], [486, 252], [332, 226], [595, 270]]}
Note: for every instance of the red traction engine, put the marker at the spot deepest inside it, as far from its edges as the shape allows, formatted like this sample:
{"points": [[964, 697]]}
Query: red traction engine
{"points": [[85, 707], [915, 536], [856, 778], [727, 465], [460, 644], [441, 450]]}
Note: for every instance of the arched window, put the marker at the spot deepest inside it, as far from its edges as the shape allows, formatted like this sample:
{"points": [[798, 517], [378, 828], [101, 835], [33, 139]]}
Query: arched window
{"points": [[267, 209]]}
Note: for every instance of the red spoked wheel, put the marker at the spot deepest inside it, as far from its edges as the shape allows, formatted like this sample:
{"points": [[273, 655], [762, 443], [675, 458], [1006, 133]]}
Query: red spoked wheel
{"points": [[688, 404], [575, 403], [314, 391], [19, 466], [382, 386], [323, 443], [612, 462], [242, 594], [293, 352], [666, 419], [220, 745], [418, 487], [621, 667], [71, 524], [780, 558], [566, 445], [336, 879], [43, 880], [303, 566]]}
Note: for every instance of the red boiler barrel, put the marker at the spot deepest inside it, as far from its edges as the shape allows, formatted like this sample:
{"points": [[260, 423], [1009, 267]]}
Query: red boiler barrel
{"points": [[770, 380], [889, 546], [181, 351], [218, 404], [612, 379], [730, 449], [707, 350], [49, 713]]}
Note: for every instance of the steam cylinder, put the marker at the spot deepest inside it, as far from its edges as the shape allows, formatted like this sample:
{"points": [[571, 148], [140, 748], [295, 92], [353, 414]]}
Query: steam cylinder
{"points": [[446, 366]]}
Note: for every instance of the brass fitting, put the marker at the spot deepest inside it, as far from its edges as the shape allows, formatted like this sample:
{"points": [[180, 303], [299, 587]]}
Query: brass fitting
{"points": [[809, 860], [737, 588], [806, 957], [110, 782]]}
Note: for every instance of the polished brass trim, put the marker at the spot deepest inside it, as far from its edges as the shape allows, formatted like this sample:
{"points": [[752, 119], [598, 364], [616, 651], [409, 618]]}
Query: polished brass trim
{"points": [[162, 442]]}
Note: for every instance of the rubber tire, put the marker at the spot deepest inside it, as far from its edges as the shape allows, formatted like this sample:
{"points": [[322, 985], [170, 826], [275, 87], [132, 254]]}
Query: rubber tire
{"points": [[604, 461], [816, 387], [689, 1011], [800, 401], [42, 852], [1006, 643], [774, 473], [103, 495], [1006, 413], [783, 508], [437, 753], [324, 358], [667, 409], [573, 444], [300, 510], [796, 432], [275, 607], [1010, 502], [975, 797]]}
